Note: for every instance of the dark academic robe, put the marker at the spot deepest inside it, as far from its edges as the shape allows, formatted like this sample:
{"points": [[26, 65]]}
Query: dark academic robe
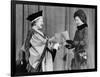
{"points": [[80, 43]]}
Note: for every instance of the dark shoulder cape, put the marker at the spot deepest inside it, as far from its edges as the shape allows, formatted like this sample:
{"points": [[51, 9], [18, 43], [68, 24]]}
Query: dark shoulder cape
{"points": [[82, 26]]}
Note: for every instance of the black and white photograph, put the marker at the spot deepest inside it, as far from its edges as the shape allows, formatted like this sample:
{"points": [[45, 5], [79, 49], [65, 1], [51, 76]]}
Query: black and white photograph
{"points": [[52, 38]]}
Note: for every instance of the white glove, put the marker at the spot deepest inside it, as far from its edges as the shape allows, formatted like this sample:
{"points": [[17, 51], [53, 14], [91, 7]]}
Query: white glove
{"points": [[56, 46]]}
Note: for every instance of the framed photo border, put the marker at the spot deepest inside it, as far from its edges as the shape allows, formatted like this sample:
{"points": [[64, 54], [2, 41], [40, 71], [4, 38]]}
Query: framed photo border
{"points": [[13, 37]]}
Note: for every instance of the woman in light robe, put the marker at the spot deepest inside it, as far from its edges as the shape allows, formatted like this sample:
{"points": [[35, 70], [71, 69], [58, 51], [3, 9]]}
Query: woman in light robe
{"points": [[35, 44]]}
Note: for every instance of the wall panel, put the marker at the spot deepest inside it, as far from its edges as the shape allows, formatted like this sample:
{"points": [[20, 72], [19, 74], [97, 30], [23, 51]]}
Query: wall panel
{"points": [[19, 23]]}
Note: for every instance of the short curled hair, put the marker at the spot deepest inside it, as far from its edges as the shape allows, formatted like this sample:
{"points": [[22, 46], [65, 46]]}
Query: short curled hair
{"points": [[33, 23], [81, 14]]}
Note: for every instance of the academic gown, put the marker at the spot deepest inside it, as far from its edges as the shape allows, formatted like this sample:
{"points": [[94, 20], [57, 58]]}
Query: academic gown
{"points": [[34, 47]]}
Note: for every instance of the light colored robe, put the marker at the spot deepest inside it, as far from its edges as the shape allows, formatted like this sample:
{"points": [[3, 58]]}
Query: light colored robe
{"points": [[37, 46]]}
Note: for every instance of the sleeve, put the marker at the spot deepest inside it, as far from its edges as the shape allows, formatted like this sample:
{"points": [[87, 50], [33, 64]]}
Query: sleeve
{"points": [[84, 41], [27, 44], [52, 39]]}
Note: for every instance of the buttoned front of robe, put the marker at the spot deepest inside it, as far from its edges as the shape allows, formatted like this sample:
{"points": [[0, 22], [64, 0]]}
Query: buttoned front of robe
{"points": [[80, 43]]}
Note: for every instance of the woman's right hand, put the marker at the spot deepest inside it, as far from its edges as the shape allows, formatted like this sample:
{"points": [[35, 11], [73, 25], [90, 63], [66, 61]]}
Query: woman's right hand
{"points": [[69, 41], [68, 46]]}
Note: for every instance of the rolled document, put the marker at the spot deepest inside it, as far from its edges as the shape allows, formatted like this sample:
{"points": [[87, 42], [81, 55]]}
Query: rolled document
{"points": [[65, 35], [59, 39]]}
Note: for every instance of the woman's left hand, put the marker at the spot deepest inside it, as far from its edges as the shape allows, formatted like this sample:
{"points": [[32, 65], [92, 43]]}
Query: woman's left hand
{"points": [[69, 41], [68, 46]]}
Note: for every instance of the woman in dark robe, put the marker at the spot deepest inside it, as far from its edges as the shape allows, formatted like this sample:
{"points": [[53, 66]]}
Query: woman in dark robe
{"points": [[80, 42]]}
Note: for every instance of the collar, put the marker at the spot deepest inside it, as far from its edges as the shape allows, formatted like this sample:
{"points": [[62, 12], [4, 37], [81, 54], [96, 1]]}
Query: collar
{"points": [[82, 26], [38, 31]]}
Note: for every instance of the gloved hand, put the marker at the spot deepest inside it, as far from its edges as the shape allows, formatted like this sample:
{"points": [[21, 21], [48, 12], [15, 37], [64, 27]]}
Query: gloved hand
{"points": [[69, 41], [68, 46]]}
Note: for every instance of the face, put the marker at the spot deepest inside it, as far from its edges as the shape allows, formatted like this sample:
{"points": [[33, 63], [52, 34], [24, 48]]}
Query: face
{"points": [[39, 23], [78, 21]]}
